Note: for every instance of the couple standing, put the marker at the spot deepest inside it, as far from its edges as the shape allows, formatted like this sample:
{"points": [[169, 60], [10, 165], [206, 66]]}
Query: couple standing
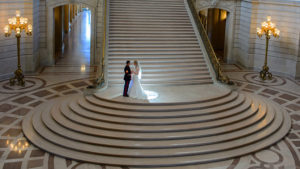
{"points": [[133, 87]]}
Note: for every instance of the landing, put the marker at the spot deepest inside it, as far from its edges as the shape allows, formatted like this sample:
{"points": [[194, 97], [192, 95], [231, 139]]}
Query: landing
{"points": [[168, 94]]}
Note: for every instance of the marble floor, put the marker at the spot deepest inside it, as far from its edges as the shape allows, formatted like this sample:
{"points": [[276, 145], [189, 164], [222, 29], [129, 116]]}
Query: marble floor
{"points": [[75, 59], [73, 74], [16, 102]]}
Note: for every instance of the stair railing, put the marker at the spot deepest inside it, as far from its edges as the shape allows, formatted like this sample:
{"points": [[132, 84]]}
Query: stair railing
{"points": [[208, 47]]}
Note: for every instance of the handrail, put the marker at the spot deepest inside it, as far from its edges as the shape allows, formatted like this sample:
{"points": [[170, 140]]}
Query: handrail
{"points": [[101, 79], [208, 47]]}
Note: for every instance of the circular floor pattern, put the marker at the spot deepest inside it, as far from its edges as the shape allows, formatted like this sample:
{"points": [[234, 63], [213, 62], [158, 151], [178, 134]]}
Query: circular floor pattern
{"points": [[31, 84], [98, 130], [254, 78]]}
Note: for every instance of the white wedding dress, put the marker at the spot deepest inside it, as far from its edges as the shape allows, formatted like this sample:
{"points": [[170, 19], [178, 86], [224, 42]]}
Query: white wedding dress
{"points": [[136, 90]]}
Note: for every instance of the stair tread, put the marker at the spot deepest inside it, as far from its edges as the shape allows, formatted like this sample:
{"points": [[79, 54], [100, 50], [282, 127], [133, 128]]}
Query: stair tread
{"points": [[191, 117], [237, 123], [156, 111], [155, 162], [180, 151]]}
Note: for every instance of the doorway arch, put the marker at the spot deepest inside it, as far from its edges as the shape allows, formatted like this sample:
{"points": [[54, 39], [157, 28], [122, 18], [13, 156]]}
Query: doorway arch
{"points": [[51, 5], [229, 28]]}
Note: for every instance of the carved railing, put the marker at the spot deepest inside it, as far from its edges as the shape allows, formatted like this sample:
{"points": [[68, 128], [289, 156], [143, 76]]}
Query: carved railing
{"points": [[207, 45]]}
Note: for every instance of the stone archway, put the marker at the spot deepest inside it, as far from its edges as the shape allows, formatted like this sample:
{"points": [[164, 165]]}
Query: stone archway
{"points": [[229, 6], [50, 5]]}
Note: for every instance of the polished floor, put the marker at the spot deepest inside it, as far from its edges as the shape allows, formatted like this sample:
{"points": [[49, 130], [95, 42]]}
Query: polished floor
{"points": [[77, 45], [16, 102], [70, 77], [75, 59]]}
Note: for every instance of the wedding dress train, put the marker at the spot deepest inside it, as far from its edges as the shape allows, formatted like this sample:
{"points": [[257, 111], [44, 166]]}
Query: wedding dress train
{"points": [[136, 90]]}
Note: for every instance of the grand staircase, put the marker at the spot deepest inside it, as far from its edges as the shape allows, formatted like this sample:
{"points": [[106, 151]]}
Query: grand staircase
{"points": [[160, 35], [216, 124], [106, 131]]}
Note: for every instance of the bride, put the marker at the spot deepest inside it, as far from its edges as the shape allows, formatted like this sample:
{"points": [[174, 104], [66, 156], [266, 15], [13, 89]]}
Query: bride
{"points": [[136, 91]]}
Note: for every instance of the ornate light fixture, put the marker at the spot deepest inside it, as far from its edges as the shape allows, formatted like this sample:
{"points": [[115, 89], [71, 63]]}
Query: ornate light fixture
{"points": [[17, 146], [268, 29], [18, 24]]}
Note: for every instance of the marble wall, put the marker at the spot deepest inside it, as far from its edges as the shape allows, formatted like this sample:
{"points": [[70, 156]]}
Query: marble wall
{"points": [[283, 52], [36, 51], [8, 45], [242, 44], [246, 48]]}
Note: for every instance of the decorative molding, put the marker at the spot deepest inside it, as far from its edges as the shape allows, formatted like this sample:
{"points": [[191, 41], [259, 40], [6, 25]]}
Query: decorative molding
{"points": [[228, 5], [89, 3]]}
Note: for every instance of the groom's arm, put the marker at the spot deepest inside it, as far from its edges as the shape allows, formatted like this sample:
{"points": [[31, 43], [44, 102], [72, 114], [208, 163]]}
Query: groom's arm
{"points": [[127, 72]]}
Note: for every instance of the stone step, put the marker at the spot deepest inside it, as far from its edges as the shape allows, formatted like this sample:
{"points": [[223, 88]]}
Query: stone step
{"points": [[127, 35], [139, 39], [154, 162], [157, 51], [167, 83], [157, 32], [155, 46], [148, 9], [164, 70], [156, 57], [143, 6], [159, 64], [104, 150], [153, 77], [164, 75], [149, 14], [153, 24], [232, 124], [146, 3], [96, 100], [142, 20], [149, 26], [159, 61], [144, 81], [154, 144], [190, 118], [125, 42], [119, 17], [198, 123]]}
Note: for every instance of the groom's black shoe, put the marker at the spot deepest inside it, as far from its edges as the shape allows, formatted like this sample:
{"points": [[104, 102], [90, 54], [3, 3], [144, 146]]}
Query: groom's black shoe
{"points": [[125, 95]]}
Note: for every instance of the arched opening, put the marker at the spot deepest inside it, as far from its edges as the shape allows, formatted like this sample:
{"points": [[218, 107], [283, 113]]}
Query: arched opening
{"points": [[72, 34], [216, 23]]}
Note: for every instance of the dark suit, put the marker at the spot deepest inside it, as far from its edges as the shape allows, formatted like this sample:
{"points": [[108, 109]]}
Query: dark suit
{"points": [[127, 78]]}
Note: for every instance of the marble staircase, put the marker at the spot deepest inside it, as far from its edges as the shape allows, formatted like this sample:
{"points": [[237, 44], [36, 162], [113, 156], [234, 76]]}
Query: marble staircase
{"points": [[160, 35], [193, 122], [106, 131]]}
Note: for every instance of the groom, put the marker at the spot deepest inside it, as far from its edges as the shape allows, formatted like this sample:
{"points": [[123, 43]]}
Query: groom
{"points": [[127, 78]]}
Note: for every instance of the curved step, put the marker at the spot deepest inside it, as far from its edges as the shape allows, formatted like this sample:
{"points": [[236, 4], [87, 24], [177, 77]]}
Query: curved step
{"points": [[167, 107], [234, 124], [140, 153], [196, 123], [144, 121], [161, 143], [169, 157]]}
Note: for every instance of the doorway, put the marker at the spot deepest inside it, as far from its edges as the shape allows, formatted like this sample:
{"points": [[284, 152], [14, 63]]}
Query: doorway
{"points": [[72, 35], [215, 22]]}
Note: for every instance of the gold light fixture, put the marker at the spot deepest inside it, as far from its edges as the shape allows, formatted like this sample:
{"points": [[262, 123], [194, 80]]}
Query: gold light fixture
{"points": [[268, 29], [18, 24], [19, 146]]}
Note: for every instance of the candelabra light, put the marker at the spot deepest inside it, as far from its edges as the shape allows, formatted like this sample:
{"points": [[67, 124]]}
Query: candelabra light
{"points": [[18, 146], [268, 29], [18, 24]]}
